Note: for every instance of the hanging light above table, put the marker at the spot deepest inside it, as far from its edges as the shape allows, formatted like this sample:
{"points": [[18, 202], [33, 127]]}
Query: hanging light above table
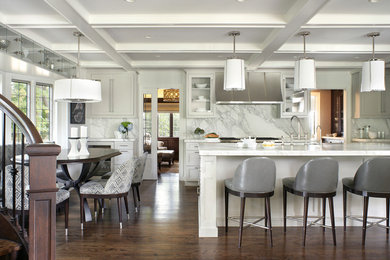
{"points": [[373, 73], [75, 89], [305, 69], [234, 73]]}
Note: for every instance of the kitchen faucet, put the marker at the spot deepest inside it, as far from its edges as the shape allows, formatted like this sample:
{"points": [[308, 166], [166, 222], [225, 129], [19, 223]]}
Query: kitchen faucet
{"points": [[300, 127], [318, 126]]}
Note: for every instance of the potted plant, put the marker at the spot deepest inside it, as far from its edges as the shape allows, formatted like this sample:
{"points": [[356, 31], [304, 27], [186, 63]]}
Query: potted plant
{"points": [[125, 127], [199, 132]]}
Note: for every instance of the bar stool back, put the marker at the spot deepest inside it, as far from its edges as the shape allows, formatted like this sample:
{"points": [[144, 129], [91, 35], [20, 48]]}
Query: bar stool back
{"points": [[372, 179], [318, 179], [254, 178]]}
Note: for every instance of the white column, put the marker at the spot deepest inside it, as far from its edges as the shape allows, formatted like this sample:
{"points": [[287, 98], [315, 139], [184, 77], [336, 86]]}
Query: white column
{"points": [[208, 197]]}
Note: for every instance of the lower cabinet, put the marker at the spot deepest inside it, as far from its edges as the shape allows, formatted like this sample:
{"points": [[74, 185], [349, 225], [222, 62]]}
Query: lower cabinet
{"points": [[126, 147], [192, 162]]}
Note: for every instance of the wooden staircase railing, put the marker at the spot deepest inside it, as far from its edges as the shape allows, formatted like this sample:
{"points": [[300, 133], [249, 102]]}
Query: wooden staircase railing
{"points": [[38, 239]]}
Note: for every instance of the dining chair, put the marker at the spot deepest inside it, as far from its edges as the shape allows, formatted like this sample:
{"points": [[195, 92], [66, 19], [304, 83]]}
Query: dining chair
{"points": [[62, 195], [139, 169], [117, 186]]}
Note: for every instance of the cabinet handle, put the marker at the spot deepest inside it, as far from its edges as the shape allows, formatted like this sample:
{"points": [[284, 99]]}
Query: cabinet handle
{"points": [[111, 89], [196, 152]]}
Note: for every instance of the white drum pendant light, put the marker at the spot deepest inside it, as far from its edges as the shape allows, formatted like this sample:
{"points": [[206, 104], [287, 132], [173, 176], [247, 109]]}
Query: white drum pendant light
{"points": [[373, 72], [234, 73], [77, 90], [305, 69]]}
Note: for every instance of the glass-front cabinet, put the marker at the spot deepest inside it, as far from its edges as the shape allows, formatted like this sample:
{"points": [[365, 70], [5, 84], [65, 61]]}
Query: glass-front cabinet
{"points": [[200, 95], [295, 102]]}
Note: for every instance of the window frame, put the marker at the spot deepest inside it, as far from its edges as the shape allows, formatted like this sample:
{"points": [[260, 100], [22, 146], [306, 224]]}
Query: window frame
{"points": [[51, 106], [170, 125]]}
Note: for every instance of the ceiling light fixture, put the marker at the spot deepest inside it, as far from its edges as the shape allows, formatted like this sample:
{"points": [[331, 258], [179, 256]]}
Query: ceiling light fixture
{"points": [[305, 69], [373, 73], [234, 73], [130, 1], [75, 89], [148, 37]]}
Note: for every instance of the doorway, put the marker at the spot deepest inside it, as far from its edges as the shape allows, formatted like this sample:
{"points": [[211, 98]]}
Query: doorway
{"points": [[327, 114], [160, 130]]}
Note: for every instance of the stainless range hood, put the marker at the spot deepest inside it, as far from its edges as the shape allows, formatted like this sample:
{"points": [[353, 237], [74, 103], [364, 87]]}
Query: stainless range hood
{"points": [[260, 88]]}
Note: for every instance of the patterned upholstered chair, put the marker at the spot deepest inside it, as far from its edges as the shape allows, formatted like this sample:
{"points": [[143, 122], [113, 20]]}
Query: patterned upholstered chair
{"points": [[117, 186], [62, 196], [139, 168]]}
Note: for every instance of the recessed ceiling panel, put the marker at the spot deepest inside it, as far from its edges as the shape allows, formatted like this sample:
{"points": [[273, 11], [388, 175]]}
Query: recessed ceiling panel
{"points": [[184, 56], [92, 57], [356, 7], [185, 6], [354, 36], [187, 35], [26, 7]]}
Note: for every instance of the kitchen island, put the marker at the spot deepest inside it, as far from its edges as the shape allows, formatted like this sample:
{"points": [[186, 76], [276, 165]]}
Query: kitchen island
{"points": [[219, 161]]}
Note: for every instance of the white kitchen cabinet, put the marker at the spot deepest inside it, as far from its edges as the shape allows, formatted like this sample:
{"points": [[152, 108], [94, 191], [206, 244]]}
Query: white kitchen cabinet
{"points": [[370, 104], [192, 162], [295, 103], [118, 95], [200, 95], [125, 146]]}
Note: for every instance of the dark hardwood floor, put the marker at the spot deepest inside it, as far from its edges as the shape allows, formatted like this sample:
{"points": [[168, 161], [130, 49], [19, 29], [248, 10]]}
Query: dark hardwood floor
{"points": [[166, 228]]}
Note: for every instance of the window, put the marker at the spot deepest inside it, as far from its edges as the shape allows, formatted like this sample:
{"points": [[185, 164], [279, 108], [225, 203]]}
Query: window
{"points": [[20, 97], [43, 110], [39, 110], [168, 124]]}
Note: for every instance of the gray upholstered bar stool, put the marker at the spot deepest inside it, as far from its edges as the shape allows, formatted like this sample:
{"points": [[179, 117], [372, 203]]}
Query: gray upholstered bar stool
{"points": [[253, 178], [317, 179], [372, 179]]}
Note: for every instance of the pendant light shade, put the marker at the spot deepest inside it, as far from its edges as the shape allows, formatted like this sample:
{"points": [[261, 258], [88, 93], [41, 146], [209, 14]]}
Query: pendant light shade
{"points": [[234, 73], [373, 71], [77, 90], [305, 74], [305, 69]]}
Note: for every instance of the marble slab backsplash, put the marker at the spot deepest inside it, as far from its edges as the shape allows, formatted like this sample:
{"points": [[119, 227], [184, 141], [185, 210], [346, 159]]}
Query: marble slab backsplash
{"points": [[105, 127], [242, 121], [376, 125]]}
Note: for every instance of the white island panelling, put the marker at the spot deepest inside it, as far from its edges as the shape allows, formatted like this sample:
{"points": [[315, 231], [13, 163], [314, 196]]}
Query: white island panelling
{"points": [[219, 161]]}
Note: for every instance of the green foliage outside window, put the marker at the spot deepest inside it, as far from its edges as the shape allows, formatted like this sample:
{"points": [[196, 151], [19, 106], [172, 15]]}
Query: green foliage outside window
{"points": [[42, 110]]}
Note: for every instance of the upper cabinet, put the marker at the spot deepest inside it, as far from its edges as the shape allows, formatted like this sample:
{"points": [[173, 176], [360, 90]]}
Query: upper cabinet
{"points": [[370, 104], [200, 95], [295, 103], [118, 95]]}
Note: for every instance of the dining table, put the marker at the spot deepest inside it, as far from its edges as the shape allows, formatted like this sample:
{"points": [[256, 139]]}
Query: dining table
{"points": [[91, 164]]}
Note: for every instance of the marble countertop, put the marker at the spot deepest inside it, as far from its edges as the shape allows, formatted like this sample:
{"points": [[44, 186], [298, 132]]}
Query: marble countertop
{"points": [[203, 140], [354, 149], [110, 140], [363, 140]]}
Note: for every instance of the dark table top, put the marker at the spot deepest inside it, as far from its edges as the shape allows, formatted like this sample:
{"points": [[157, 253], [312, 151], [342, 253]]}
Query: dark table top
{"points": [[95, 155]]}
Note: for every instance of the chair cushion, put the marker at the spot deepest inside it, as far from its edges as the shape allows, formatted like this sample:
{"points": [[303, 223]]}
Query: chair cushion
{"points": [[289, 182], [92, 187], [120, 180], [62, 195], [349, 182]]}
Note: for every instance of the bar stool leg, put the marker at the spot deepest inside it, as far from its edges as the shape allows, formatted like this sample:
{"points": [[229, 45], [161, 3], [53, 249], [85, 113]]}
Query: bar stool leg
{"points": [[284, 209], [306, 208], [331, 209], [265, 213], [134, 199], [241, 221], [82, 212], [226, 209], [365, 213], [387, 215], [345, 208], [268, 210], [324, 212], [95, 208]]}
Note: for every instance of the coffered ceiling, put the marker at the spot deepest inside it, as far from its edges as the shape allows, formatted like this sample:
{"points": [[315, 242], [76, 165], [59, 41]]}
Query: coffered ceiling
{"points": [[194, 34]]}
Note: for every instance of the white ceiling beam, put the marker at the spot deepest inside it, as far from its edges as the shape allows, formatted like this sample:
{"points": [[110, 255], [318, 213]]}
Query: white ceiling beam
{"points": [[70, 14], [351, 19], [299, 14]]}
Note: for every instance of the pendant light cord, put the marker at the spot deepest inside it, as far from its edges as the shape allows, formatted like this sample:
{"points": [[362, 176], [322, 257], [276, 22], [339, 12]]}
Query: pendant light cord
{"points": [[373, 47], [304, 46]]}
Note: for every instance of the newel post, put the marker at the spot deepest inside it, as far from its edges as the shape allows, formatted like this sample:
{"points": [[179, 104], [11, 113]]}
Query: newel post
{"points": [[42, 194]]}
